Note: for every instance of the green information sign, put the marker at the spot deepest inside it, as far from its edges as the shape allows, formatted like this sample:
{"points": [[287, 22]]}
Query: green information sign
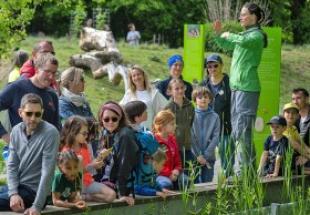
{"points": [[194, 48], [269, 75]]}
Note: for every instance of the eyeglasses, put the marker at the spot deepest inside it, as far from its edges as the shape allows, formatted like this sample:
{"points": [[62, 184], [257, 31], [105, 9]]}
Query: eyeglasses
{"points": [[212, 66], [85, 133], [36, 114], [108, 119], [48, 72]]}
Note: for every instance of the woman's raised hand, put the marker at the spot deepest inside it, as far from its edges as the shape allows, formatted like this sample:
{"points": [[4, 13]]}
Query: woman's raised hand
{"points": [[217, 26]]}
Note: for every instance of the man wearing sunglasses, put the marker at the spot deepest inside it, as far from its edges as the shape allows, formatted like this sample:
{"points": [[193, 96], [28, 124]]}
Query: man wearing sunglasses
{"points": [[30, 166], [46, 67]]}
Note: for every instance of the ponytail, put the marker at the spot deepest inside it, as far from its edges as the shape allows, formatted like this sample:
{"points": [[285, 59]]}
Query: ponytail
{"points": [[260, 15]]}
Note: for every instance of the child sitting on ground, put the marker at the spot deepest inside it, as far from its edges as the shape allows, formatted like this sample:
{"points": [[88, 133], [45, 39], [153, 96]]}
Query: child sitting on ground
{"points": [[148, 151], [274, 149], [205, 134], [67, 182]]}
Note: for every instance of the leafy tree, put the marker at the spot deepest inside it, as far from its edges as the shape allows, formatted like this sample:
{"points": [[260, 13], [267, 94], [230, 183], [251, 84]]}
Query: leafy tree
{"points": [[15, 15], [164, 17]]}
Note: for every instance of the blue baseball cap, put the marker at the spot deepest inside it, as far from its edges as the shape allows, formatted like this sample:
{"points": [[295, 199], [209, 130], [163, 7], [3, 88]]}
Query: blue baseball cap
{"points": [[214, 58], [278, 120]]}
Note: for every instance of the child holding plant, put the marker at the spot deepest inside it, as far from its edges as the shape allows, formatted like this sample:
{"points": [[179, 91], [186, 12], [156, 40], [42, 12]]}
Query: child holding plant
{"points": [[74, 137]]}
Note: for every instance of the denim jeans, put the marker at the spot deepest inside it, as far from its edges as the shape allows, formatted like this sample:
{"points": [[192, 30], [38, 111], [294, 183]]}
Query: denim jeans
{"points": [[206, 173], [165, 182], [25, 193], [243, 114]]}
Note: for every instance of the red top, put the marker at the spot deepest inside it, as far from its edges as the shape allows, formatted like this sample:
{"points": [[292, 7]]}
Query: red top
{"points": [[172, 155], [27, 70], [85, 154]]}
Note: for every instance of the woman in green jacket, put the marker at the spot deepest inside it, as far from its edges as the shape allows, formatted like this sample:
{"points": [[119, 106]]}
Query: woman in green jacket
{"points": [[247, 49]]}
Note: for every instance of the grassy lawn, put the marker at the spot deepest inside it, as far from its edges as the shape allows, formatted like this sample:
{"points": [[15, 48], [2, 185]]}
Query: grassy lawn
{"points": [[294, 67]]}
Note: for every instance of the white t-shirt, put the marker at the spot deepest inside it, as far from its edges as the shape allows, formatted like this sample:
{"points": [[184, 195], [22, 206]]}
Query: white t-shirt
{"points": [[145, 97]]}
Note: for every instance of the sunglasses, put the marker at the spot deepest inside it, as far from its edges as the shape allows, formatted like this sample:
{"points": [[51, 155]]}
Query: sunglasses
{"points": [[36, 114], [108, 119], [212, 66]]}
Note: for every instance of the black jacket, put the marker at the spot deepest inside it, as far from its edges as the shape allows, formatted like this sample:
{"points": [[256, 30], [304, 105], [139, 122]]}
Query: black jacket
{"points": [[162, 86], [221, 102], [123, 160]]}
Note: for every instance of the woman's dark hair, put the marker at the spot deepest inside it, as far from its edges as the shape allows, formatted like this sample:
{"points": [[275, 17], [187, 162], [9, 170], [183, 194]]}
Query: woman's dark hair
{"points": [[133, 109], [70, 129], [260, 16], [93, 129], [65, 156]]}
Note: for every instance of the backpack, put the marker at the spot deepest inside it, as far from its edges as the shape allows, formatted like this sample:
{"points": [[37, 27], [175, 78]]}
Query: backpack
{"points": [[148, 145]]}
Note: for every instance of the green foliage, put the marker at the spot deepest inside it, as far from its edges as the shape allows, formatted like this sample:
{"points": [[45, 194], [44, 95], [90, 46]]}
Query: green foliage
{"points": [[79, 16], [303, 26], [166, 18], [100, 19], [14, 17]]}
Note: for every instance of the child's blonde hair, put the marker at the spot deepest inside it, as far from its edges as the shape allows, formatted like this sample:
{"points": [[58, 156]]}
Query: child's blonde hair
{"points": [[201, 91], [161, 119], [172, 82]]}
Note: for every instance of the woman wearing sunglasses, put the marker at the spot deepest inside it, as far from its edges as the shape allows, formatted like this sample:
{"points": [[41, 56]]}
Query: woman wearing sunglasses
{"points": [[120, 163], [247, 49], [218, 84]]}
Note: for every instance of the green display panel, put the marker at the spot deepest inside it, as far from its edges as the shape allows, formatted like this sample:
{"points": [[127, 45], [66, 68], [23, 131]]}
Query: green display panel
{"points": [[194, 47], [269, 75]]}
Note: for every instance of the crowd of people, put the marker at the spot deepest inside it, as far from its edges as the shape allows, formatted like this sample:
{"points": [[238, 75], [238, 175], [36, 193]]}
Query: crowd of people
{"points": [[150, 142]]}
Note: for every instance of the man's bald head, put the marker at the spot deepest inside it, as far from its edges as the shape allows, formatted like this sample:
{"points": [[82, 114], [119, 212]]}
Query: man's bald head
{"points": [[43, 46]]}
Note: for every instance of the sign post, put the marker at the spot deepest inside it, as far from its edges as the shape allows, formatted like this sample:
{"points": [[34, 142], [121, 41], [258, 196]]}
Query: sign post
{"points": [[269, 75], [194, 48]]}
